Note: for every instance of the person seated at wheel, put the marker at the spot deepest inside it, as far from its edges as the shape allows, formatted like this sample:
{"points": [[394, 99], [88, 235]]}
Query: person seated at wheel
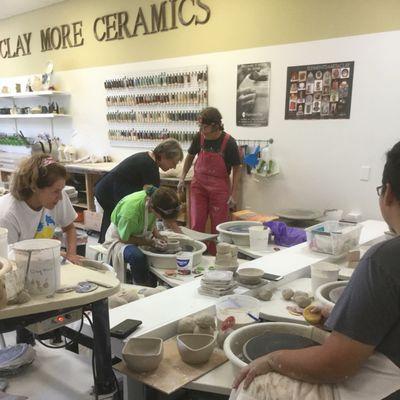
{"points": [[133, 224]]}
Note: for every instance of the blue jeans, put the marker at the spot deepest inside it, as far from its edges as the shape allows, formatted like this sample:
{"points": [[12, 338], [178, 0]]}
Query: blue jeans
{"points": [[138, 262]]}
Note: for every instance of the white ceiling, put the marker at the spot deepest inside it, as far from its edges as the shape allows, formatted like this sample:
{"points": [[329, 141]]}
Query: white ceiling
{"points": [[9, 8]]}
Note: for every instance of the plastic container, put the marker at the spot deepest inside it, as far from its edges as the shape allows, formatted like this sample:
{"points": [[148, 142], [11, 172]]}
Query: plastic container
{"points": [[259, 238], [184, 262], [233, 346], [39, 261], [322, 273], [244, 309], [236, 232], [3, 242], [333, 237]]}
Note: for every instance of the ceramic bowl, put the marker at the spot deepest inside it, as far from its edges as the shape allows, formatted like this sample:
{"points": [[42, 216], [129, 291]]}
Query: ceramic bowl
{"points": [[195, 348], [143, 354], [250, 276]]}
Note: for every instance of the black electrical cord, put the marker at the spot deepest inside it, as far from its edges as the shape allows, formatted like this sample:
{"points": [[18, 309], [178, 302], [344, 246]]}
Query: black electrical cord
{"points": [[94, 370], [93, 361], [66, 344]]}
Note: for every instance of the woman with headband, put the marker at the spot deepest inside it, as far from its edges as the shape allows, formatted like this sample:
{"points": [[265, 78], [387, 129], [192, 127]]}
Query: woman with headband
{"points": [[132, 174], [133, 224], [37, 204]]}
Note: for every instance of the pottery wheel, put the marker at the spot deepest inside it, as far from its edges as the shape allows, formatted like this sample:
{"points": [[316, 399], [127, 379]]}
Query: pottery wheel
{"points": [[272, 341], [242, 228], [298, 214], [185, 247], [334, 294]]}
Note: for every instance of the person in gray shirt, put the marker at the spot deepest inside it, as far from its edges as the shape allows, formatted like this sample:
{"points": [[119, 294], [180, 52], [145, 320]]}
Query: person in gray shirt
{"points": [[365, 322]]}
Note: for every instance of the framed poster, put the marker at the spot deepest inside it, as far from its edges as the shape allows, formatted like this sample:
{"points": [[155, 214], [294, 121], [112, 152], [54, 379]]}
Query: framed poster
{"points": [[319, 91], [252, 94]]}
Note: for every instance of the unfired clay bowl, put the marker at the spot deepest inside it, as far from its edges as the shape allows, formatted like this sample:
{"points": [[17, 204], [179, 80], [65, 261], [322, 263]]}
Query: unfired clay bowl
{"points": [[195, 348], [250, 276], [173, 245], [143, 354]]}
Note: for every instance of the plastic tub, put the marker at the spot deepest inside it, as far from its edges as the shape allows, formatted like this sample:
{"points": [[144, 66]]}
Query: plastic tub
{"points": [[233, 346], [238, 306], [168, 261], [333, 237], [322, 294], [39, 261], [239, 236]]}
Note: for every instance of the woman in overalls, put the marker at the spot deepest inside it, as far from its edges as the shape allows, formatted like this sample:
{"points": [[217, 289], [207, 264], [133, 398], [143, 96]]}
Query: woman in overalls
{"points": [[212, 193], [133, 224]]}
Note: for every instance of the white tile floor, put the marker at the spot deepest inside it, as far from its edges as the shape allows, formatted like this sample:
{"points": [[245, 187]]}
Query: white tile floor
{"points": [[56, 374]]}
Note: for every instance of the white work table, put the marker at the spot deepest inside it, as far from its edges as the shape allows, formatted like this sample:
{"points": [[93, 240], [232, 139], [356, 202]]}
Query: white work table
{"points": [[161, 312]]}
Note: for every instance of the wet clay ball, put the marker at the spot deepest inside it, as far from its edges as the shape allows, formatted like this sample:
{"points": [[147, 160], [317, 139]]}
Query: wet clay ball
{"points": [[302, 301], [265, 294], [287, 293]]}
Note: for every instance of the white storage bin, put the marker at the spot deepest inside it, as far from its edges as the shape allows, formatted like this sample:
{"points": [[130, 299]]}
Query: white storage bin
{"points": [[333, 237]]}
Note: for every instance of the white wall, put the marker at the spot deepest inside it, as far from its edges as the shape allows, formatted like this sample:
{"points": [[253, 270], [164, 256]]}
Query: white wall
{"points": [[320, 160]]}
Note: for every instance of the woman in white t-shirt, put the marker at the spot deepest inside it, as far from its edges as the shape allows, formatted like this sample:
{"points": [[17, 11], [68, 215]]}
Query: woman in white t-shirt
{"points": [[37, 204]]}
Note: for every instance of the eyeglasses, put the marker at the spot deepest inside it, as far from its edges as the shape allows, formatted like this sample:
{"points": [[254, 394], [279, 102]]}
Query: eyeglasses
{"points": [[380, 189]]}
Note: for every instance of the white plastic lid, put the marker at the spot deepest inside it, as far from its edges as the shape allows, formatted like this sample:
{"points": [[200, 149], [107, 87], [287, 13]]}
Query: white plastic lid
{"points": [[37, 245]]}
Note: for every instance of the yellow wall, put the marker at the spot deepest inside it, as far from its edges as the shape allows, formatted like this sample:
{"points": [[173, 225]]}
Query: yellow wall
{"points": [[234, 24]]}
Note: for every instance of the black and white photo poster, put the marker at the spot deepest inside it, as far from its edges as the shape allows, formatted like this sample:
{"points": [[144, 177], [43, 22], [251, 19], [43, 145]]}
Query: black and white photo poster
{"points": [[252, 94], [319, 91]]}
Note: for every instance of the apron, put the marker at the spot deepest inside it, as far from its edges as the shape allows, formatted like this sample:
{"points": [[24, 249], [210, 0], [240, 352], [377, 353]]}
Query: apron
{"points": [[210, 188]]}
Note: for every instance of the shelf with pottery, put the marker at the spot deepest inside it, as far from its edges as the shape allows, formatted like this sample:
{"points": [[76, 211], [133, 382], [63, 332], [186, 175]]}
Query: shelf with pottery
{"points": [[28, 95], [47, 95], [34, 116]]}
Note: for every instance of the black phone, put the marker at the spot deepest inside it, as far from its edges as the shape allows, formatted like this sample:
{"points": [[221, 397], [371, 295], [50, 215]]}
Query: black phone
{"points": [[125, 328], [272, 277]]}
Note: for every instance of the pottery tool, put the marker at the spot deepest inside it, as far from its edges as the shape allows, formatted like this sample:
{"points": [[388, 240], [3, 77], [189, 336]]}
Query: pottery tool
{"points": [[85, 287], [98, 283]]}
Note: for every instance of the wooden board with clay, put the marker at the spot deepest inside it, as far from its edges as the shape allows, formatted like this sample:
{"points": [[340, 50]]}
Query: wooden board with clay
{"points": [[173, 373]]}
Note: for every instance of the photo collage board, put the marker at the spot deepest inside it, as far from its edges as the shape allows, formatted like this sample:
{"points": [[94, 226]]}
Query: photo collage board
{"points": [[319, 91]]}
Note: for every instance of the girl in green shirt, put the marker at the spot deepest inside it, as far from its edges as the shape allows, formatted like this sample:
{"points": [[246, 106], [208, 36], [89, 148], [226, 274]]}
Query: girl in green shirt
{"points": [[133, 224]]}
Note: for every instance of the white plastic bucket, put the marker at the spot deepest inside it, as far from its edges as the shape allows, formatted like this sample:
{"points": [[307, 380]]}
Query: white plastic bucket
{"points": [[258, 238], [321, 273], [4, 242], [39, 259]]}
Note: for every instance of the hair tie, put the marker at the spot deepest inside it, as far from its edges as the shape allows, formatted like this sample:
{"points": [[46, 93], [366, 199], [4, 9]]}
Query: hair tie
{"points": [[48, 161], [170, 210], [150, 190]]}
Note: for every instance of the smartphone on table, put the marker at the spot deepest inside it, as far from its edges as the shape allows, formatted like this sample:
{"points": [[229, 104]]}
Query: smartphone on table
{"points": [[272, 277], [125, 328]]}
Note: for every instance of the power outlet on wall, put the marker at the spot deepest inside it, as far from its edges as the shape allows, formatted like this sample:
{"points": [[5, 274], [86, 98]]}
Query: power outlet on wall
{"points": [[365, 172]]}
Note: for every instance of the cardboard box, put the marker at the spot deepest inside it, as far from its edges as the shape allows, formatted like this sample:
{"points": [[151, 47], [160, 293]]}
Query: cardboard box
{"points": [[248, 215], [93, 220]]}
